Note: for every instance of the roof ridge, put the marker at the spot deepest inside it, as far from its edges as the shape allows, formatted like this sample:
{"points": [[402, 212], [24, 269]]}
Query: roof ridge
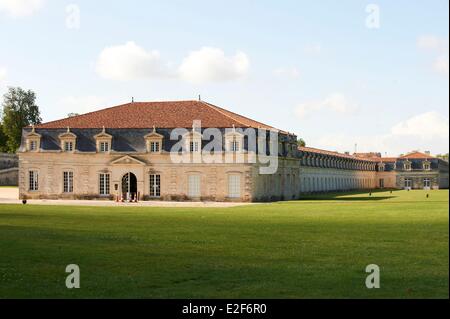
{"points": [[224, 112], [215, 108]]}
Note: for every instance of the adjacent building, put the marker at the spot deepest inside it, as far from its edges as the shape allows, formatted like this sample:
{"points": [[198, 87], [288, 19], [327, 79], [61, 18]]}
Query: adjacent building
{"points": [[193, 150]]}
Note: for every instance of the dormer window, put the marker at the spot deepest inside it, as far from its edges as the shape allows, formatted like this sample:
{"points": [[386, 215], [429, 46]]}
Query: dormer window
{"points": [[154, 147], [104, 147], [381, 167], [154, 142], [193, 141], [33, 146], [407, 166], [427, 166], [68, 146], [103, 141], [33, 141], [234, 146], [234, 141], [68, 140], [194, 146]]}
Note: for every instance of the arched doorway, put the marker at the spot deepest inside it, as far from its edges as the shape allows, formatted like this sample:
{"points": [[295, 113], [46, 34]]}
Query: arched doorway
{"points": [[129, 186]]}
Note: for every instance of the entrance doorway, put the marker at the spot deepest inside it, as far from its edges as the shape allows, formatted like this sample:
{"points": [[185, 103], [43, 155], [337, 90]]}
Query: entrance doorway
{"points": [[129, 186]]}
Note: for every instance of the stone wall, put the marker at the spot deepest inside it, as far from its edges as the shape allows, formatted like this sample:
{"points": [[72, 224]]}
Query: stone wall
{"points": [[8, 161], [9, 169], [9, 176]]}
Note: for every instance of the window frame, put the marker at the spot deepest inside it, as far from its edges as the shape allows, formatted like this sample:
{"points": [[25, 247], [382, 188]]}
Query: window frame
{"points": [[68, 178], [198, 186], [234, 186], [155, 185], [104, 146], [104, 184], [33, 180]]}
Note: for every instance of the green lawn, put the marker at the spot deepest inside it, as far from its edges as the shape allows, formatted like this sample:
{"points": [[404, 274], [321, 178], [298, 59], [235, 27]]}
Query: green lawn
{"points": [[316, 248]]}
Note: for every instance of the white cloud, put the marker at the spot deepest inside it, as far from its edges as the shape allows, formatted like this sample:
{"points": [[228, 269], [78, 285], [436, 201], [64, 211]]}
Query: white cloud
{"points": [[211, 65], [291, 73], [337, 103], [440, 47], [424, 126], [427, 131], [81, 105], [129, 62], [20, 8]]}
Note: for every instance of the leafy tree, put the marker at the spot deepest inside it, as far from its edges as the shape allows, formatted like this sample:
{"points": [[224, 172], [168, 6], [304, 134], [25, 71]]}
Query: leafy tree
{"points": [[19, 110], [443, 156], [3, 139], [301, 142]]}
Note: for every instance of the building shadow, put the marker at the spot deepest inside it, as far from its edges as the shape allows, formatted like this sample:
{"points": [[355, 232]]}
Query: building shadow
{"points": [[359, 195]]}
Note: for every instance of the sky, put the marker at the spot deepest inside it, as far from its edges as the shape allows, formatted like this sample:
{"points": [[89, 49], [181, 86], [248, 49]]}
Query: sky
{"points": [[343, 75]]}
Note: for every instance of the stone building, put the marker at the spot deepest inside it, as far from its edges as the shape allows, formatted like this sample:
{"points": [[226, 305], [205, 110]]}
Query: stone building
{"points": [[193, 150]]}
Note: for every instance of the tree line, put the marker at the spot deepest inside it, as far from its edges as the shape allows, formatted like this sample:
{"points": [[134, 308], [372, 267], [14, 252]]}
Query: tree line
{"points": [[18, 110]]}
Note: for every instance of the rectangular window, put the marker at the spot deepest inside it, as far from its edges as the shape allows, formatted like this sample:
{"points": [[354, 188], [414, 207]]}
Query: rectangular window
{"points": [[155, 185], [154, 147], [68, 146], [426, 183], [234, 186], [194, 146], [234, 146], [104, 147], [194, 186], [68, 182], [381, 183], [33, 181], [104, 184], [33, 146], [408, 183]]}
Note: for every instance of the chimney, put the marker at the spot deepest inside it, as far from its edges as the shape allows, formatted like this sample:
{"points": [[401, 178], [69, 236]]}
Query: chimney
{"points": [[347, 153]]}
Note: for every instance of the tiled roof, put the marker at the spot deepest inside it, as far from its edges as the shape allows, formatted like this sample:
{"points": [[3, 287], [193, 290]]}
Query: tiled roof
{"points": [[324, 152], [160, 114], [416, 155]]}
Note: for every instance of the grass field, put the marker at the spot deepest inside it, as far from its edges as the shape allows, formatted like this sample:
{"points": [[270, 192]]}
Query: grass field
{"points": [[315, 248]]}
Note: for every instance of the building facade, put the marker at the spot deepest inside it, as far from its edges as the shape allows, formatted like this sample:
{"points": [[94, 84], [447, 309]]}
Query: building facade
{"points": [[193, 150]]}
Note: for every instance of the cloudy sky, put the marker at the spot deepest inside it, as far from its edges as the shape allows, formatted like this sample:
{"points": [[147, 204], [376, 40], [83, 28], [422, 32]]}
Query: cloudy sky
{"points": [[337, 73]]}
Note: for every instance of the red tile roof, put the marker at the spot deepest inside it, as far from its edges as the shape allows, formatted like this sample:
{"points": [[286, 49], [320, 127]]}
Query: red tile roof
{"points": [[417, 155], [324, 152], [171, 114]]}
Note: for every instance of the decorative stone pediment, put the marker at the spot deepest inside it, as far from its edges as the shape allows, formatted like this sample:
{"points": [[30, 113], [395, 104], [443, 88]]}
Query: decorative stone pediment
{"points": [[153, 135], [103, 135], [127, 160], [33, 134]]}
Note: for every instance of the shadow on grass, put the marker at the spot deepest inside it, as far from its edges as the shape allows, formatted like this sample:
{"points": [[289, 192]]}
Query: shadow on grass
{"points": [[362, 195]]}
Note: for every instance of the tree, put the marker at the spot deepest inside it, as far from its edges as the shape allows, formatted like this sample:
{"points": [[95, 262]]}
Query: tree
{"points": [[301, 142], [3, 139], [443, 156], [19, 110]]}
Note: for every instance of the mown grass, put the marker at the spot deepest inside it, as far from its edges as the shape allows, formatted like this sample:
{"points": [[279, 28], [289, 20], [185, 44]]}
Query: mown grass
{"points": [[316, 248]]}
